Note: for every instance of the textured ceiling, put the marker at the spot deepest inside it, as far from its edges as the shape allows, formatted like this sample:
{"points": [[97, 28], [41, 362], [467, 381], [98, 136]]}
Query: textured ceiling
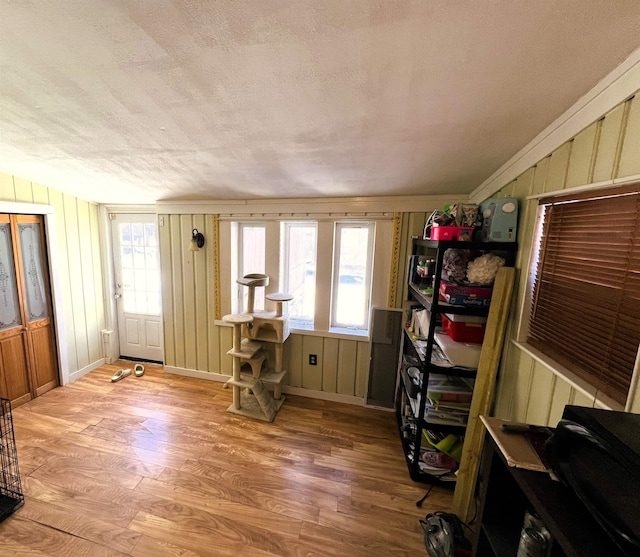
{"points": [[134, 102]]}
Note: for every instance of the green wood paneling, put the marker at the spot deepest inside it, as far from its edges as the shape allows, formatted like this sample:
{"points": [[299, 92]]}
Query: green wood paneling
{"points": [[23, 190], [511, 363], [226, 342], [630, 156], [200, 290], [562, 394], [540, 176], [416, 223], [293, 346], [558, 165], [635, 405], [330, 365], [526, 218], [582, 155], [579, 399], [188, 291], [312, 375], [56, 199], [41, 194], [7, 189], [508, 190], [89, 283], [608, 144], [213, 342], [215, 351], [362, 368], [347, 361], [177, 249], [527, 225], [168, 324], [403, 251], [80, 272], [520, 394], [75, 277], [540, 395], [95, 328]]}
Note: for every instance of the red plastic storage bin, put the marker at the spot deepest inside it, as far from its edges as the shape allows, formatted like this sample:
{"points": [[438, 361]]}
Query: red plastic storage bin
{"points": [[462, 331]]}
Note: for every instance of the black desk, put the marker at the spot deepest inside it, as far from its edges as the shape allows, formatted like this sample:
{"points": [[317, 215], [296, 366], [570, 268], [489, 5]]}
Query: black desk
{"points": [[505, 493]]}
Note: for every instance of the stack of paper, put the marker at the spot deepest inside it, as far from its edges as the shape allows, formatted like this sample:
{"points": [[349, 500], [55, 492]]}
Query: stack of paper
{"points": [[448, 399]]}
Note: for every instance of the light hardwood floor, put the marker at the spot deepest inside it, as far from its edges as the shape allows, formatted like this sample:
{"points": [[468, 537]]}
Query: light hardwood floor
{"points": [[155, 466]]}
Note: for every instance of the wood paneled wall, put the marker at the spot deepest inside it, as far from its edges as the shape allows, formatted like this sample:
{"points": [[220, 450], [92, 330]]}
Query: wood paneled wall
{"points": [[78, 245], [191, 340], [194, 342], [608, 149]]}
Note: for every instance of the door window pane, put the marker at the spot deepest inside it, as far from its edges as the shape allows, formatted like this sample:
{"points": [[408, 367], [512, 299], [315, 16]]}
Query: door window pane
{"points": [[125, 234], [299, 256], [126, 257], [139, 261], [34, 284], [137, 234], [150, 234], [140, 268], [9, 309], [151, 258]]}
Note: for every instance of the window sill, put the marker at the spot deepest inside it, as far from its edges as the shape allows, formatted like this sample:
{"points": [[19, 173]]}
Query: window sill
{"points": [[579, 384], [345, 334]]}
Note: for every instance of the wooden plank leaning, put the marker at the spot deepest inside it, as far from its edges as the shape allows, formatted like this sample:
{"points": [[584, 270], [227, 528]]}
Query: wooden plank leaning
{"points": [[483, 392]]}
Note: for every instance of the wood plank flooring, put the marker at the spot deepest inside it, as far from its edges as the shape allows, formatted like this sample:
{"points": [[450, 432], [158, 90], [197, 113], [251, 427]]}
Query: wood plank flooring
{"points": [[155, 466]]}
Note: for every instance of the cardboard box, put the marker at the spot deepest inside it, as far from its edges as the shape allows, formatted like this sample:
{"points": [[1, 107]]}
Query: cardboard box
{"points": [[461, 295]]}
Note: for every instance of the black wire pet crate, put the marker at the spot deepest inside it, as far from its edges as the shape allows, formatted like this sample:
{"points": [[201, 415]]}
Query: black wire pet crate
{"points": [[11, 496]]}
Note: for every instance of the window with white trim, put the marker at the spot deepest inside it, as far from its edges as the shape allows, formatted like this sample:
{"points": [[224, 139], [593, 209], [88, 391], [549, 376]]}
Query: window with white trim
{"points": [[585, 312], [251, 259], [345, 261], [353, 249], [298, 255]]}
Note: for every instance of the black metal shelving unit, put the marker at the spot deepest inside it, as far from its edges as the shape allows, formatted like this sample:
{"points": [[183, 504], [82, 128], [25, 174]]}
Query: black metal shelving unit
{"points": [[410, 408]]}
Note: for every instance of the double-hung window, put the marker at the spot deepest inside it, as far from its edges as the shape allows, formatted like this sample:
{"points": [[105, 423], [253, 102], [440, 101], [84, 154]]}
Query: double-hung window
{"points": [[352, 265], [342, 259], [586, 295], [251, 260], [298, 270]]}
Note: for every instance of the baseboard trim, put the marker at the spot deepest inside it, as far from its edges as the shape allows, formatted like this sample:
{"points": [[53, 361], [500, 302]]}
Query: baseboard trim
{"points": [[298, 391], [78, 374], [322, 395], [197, 374]]}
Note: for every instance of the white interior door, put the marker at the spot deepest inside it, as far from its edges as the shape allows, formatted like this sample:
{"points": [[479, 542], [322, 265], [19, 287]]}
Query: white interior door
{"points": [[137, 275]]}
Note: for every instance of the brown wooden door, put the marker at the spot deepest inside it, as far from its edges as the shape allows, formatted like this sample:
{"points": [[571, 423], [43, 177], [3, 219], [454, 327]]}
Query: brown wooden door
{"points": [[28, 359], [14, 370]]}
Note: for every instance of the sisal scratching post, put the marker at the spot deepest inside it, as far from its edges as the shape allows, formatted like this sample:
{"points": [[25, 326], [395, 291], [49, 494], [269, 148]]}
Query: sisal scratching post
{"points": [[237, 320]]}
